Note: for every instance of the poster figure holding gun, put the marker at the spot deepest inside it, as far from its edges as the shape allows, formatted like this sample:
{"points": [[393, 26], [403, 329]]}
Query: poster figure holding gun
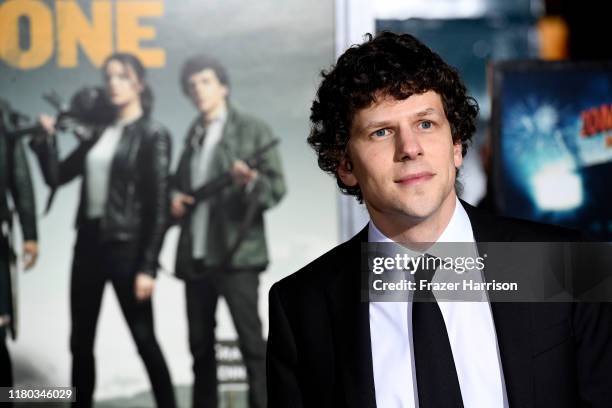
{"points": [[89, 108], [121, 221], [215, 186], [15, 181], [222, 246]]}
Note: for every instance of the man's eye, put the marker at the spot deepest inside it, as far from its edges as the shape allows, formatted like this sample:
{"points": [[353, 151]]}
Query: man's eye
{"points": [[380, 132], [426, 124]]}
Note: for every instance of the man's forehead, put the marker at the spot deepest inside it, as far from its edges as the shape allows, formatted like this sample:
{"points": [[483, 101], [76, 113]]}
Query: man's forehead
{"points": [[206, 73], [415, 99], [386, 106]]}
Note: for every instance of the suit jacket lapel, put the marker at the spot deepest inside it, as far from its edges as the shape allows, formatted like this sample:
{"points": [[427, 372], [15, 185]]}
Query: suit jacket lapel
{"points": [[229, 131], [350, 319], [512, 319], [183, 172]]}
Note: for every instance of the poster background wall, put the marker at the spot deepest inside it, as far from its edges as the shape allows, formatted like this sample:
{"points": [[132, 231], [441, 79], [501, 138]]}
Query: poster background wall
{"points": [[274, 52]]}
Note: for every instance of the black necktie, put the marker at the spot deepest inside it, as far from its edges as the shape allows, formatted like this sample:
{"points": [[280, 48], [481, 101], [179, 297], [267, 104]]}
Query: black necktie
{"points": [[199, 135], [437, 382]]}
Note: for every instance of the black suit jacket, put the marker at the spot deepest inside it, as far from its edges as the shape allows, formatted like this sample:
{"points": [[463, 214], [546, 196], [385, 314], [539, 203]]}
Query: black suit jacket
{"points": [[319, 350]]}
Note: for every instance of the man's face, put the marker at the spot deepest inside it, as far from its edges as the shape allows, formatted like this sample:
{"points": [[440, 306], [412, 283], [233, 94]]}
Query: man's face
{"points": [[206, 91], [403, 158]]}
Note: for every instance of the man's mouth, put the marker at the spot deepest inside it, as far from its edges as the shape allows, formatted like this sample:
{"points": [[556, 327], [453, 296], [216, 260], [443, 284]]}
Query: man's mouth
{"points": [[415, 178]]}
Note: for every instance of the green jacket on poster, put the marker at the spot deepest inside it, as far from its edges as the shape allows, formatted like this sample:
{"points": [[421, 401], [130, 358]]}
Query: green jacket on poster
{"points": [[15, 181], [242, 135]]}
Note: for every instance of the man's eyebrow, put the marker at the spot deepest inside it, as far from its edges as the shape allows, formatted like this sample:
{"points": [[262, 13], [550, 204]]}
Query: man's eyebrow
{"points": [[426, 112], [380, 124], [385, 123]]}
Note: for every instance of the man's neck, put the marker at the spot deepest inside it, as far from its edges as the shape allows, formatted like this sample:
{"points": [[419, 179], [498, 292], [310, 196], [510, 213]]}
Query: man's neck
{"points": [[412, 230], [215, 113]]}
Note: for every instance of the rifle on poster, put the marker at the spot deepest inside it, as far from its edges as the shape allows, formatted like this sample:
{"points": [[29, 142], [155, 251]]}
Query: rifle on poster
{"points": [[89, 108], [224, 180], [219, 183]]}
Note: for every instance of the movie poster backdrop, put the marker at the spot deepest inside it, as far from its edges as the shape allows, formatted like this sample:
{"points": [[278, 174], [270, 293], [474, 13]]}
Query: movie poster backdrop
{"points": [[273, 51]]}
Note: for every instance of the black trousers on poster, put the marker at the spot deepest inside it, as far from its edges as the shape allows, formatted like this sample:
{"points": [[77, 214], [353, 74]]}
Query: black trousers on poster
{"points": [[239, 288], [6, 368], [94, 264]]}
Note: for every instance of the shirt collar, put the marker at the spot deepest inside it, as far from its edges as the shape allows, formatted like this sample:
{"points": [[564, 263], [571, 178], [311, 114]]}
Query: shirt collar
{"points": [[219, 119], [199, 129], [459, 228]]}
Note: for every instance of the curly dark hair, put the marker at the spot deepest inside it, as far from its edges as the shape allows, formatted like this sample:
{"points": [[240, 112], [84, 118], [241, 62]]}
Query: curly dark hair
{"points": [[387, 64], [199, 63]]}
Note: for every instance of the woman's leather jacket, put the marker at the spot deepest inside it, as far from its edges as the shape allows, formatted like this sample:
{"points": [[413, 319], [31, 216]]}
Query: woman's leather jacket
{"points": [[137, 205]]}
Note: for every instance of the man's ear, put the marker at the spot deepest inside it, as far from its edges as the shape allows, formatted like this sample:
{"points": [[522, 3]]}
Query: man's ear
{"points": [[458, 154], [345, 172]]}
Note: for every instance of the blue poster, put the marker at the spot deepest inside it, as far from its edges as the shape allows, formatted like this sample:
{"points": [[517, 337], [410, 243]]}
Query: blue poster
{"points": [[553, 137]]}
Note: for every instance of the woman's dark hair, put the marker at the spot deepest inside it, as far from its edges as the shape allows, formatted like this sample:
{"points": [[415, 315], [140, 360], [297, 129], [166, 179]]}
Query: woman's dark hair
{"points": [[199, 63], [146, 96], [396, 65]]}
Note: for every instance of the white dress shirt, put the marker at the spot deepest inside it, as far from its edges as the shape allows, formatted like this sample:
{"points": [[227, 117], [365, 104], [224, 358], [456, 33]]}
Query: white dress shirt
{"points": [[471, 334], [200, 174]]}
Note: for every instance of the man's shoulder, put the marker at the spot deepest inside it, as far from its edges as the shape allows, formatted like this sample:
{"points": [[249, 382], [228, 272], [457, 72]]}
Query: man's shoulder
{"points": [[525, 230], [322, 271], [247, 120], [490, 227]]}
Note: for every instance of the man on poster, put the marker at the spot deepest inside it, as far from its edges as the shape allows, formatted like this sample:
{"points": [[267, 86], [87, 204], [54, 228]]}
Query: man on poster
{"points": [[392, 122], [222, 247]]}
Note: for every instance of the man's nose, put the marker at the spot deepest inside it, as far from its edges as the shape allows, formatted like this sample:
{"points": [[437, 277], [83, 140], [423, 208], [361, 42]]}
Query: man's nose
{"points": [[407, 145], [200, 87]]}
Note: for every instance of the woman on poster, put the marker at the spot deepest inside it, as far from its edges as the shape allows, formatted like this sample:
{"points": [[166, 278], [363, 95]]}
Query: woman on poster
{"points": [[121, 220]]}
